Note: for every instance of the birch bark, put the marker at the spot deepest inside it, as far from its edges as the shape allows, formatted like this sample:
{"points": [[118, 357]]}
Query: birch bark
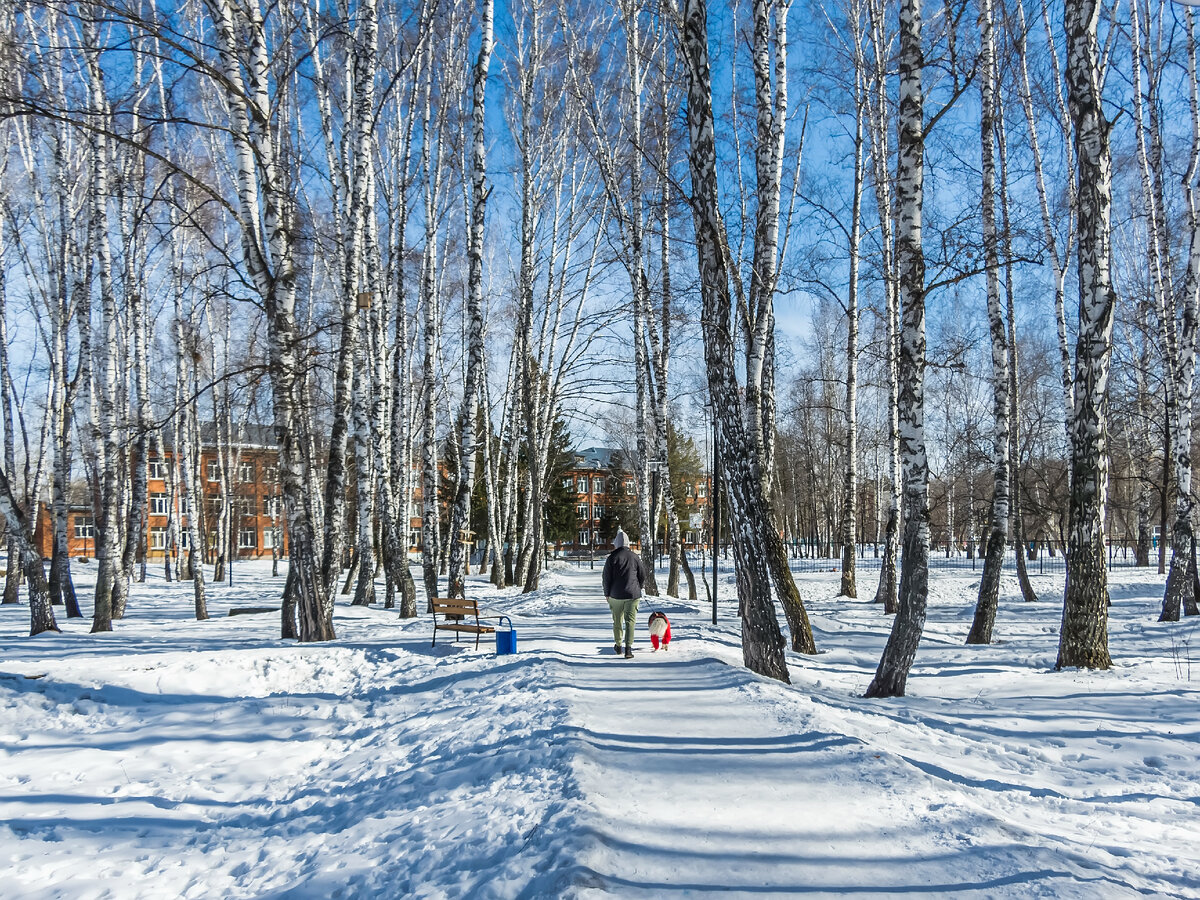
{"points": [[461, 518], [886, 592], [41, 612], [104, 432], [997, 538], [892, 673], [267, 243], [762, 641], [1084, 638], [1180, 588]]}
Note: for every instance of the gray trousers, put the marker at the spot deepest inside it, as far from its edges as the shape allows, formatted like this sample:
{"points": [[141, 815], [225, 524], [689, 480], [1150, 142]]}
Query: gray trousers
{"points": [[624, 613]]}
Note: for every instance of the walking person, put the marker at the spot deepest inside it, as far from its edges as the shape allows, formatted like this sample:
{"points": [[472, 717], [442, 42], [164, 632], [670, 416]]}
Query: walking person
{"points": [[623, 577]]}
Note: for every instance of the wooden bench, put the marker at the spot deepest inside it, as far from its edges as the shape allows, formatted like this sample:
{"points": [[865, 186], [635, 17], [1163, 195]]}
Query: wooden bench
{"points": [[460, 615]]}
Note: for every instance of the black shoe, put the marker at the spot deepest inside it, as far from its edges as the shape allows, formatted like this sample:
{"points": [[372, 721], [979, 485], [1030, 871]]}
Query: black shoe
{"points": [[629, 653], [616, 648]]}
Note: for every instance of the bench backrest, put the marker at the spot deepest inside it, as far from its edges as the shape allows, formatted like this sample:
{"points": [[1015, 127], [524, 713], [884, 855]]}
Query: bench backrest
{"points": [[456, 608]]}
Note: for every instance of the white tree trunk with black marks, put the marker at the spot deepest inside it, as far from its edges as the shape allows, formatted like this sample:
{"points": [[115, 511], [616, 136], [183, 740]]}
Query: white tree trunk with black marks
{"points": [[41, 612], [849, 529], [997, 536], [885, 593], [1180, 589], [1083, 640], [460, 522], [105, 436], [901, 649], [762, 641], [267, 243]]}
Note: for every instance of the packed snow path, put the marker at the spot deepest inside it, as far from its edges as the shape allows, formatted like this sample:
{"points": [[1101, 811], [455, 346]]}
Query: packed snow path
{"points": [[175, 758]]}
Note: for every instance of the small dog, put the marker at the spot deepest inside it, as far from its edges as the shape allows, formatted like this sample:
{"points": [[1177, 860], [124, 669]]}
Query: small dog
{"points": [[660, 630]]}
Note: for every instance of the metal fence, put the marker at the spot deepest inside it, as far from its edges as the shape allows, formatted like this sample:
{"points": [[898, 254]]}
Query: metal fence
{"points": [[1044, 564]]}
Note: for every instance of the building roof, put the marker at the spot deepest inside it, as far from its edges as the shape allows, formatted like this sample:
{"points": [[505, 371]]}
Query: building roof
{"points": [[245, 436], [599, 458]]}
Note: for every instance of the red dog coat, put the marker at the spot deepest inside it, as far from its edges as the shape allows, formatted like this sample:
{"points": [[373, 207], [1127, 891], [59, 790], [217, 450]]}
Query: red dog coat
{"points": [[660, 630]]}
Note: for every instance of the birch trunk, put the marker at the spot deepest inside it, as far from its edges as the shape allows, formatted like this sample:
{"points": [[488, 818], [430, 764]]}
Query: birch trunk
{"points": [[1180, 590], [1084, 637], [267, 246], [886, 592], [187, 457], [997, 538], [12, 577], [849, 529], [762, 641], [360, 268], [41, 612], [461, 518], [104, 431], [1014, 431], [901, 649]]}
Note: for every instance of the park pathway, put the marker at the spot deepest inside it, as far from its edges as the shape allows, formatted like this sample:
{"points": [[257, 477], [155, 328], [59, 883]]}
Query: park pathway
{"points": [[698, 778]]}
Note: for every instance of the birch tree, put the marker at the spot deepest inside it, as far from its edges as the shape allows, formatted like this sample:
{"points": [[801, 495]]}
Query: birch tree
{"points": [[41, 612], [892, 674], [1083, 640], [265, 219], [886, 592], [1181, 337], [762, 641], [461, 517], [997, 538]]}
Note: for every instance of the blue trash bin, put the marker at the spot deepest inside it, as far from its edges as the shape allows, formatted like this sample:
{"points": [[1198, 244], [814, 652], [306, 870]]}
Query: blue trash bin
{"points": [[506, 641]]}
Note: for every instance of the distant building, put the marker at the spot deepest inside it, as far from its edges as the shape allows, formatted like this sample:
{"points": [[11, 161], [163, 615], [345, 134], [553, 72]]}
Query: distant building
{"points": [[603, 483], [600, 479], [257, 503]]}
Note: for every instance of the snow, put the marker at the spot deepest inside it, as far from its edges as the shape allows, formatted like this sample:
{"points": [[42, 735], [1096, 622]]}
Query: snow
{"points": [[174, 758]]}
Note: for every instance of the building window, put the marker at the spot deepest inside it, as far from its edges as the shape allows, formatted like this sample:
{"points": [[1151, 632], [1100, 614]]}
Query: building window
{"points": [[268, 538], [85, 528], [598, 513], [581, 484], [583, 538], [581, 511], [246, 506], [214, 471], [246, 472], [156, 469], [628, 487], [689, 490], [704, 489], [597, 485], [270, 474], [248, 539], [568, 482], [185, 539], [158, 539], [414, 539], [159, 505], [272, 507], [185, 504]]}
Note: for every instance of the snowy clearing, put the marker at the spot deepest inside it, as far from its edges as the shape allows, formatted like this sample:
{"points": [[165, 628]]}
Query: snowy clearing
{"points": [[172, 758]]}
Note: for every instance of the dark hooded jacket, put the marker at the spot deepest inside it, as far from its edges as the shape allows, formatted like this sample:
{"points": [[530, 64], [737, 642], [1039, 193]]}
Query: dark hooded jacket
{"points": [[624, 575]]}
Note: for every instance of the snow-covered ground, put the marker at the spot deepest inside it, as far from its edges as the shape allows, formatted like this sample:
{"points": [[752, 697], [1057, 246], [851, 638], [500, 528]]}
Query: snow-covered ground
{"points": [[173, 758]]}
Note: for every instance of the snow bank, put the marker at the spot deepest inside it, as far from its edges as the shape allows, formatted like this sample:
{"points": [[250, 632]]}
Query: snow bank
{"points": [[176, 758]]}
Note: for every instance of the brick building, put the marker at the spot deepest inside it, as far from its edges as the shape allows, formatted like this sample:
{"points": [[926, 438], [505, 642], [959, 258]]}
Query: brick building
{"points": [[254, 493], [604, 488], [602, 484]]}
